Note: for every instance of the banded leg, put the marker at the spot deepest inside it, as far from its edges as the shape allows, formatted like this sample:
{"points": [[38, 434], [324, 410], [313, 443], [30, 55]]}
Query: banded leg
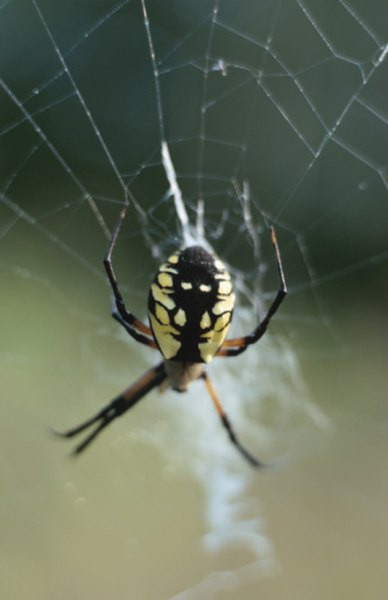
{"points": [[227, 424], [151, 378]]}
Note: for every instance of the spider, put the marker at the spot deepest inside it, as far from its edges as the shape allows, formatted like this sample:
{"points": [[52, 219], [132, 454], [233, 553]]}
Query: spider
{"points": [[190, 308]]}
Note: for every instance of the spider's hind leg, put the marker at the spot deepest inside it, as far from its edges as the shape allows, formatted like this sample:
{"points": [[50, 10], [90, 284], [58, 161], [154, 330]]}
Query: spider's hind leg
{"points": [[151, 379], [227, 424]]}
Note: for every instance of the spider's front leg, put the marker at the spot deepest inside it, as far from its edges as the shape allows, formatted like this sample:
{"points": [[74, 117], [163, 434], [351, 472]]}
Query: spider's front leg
{"points": [[138, 330], [235, 346]]}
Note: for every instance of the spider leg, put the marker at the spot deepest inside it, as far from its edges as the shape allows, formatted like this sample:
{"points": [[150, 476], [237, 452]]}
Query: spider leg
{"points": [[227, 424], [119, 405], [139, 337], [135, 328], [235, 346]]}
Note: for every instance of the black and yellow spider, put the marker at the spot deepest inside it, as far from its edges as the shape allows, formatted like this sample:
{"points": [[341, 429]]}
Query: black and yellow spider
{"points": [[190, 308]]}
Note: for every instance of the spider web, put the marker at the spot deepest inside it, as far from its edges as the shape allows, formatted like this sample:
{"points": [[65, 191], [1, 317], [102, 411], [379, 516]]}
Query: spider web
{"points": [[212, 121]]}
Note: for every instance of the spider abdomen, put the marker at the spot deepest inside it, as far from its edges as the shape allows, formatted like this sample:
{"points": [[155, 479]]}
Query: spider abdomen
{"points": [[190, 305]]}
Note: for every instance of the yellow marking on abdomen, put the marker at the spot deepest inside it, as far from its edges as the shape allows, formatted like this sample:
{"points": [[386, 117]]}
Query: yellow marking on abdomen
{"points": [[224, 305], [219, 265], [180, 317], [164, 268], [214, 341], [162, 315], [225, 287], [205, 321], [169, 346], [173, 259], [205, 288], [165, 280], [222, 321], [186, 285], [161, 297]]}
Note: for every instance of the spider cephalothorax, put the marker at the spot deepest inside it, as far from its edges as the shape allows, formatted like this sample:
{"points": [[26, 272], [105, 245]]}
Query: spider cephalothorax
{"points": [[190, 308]]}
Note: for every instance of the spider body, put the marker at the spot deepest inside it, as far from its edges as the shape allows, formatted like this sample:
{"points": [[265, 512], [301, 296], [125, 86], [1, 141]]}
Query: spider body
{"points": [[190, 307], [181, 374]]}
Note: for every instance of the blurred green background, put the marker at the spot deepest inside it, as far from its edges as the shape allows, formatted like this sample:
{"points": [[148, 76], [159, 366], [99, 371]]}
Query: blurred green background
{"points": [[295, 104]]}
